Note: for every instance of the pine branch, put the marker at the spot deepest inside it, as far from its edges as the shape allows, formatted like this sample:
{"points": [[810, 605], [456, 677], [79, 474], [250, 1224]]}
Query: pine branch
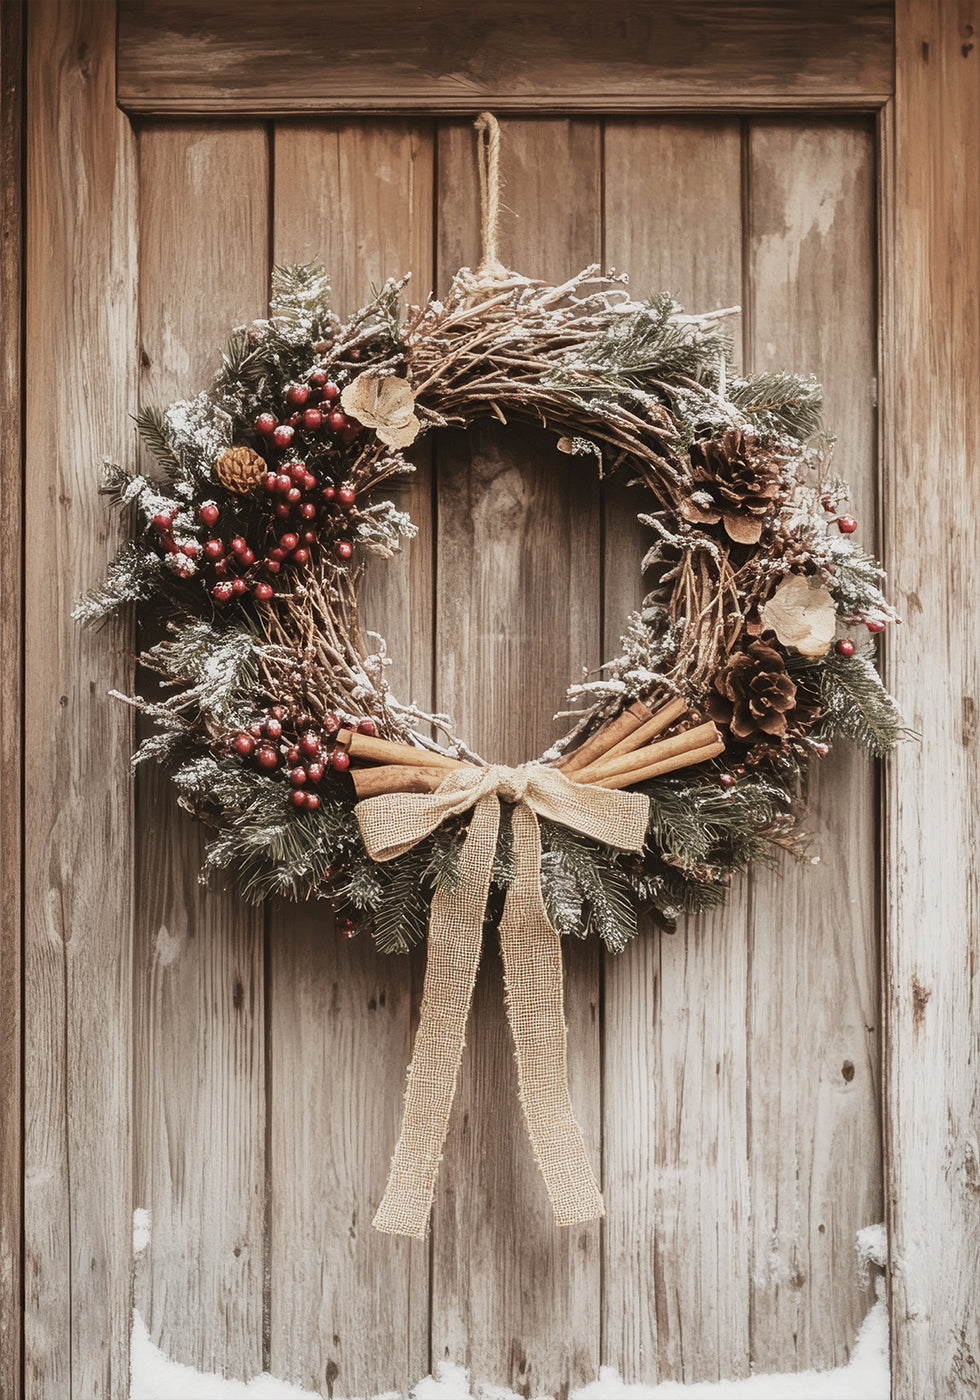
{"points": [[855, 704], [152, 431], [779, 402]]}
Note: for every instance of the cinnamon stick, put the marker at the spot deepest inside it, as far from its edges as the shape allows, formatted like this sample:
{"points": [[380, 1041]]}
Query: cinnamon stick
{"points": [[662, 719], [685, 742], [395, 777], [609, 734], [383, 751], [666, 765]]}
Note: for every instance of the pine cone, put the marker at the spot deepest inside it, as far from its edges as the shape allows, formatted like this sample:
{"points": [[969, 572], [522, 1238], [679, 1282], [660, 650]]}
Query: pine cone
{"points": [[240, 469], [737, 482], [756, 700]]}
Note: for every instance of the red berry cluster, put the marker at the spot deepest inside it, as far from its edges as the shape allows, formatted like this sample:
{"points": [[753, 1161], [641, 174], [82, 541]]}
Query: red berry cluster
{"points": [[163, 523], [310, 407], [301, 511], [302, 759]]}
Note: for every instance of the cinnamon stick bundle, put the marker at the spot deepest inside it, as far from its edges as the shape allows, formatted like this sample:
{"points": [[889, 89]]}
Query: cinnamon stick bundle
{"points": [[611, 766], [384, 751]]}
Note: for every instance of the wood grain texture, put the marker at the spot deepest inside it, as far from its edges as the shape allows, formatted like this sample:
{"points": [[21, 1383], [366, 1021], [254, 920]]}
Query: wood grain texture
{"points": [[813, 1025], [81, 329], [349, 1310], [11, 698], [932, 978], [518, 594], [444, 56], [676, 1242], [199, 1036]]}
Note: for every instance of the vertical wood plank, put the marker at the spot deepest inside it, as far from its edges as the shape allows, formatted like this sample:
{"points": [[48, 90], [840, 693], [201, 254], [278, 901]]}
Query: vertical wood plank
{"points": [[81, 351], [199, 1044], [11, 697], [349, 1306], [932, 542], [675, 1301], [812, 1012], [514, 1298]]}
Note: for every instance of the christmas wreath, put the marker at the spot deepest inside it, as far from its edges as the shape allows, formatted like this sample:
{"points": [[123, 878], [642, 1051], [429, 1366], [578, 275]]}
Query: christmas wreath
{"points": [[687, 755]]}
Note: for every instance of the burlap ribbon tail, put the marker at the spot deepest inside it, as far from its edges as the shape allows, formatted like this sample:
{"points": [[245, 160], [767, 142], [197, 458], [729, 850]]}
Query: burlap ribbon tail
{"points": [[531, 953]]}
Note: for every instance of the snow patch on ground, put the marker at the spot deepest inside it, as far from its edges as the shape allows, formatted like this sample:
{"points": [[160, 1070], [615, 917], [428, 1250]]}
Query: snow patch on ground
{"points": [[865, 1377]]}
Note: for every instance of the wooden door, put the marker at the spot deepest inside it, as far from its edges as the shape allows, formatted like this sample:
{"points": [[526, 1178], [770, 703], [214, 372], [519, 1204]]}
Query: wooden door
{"points": [[239, 1073]]}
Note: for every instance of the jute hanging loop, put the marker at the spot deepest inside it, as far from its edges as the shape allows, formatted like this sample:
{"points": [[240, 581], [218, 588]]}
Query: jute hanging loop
{"points": [[531, 953]]}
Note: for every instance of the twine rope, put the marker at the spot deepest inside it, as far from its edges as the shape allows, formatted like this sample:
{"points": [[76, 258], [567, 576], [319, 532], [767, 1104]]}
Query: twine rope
{"points": [[531, 953], [488, 165]]}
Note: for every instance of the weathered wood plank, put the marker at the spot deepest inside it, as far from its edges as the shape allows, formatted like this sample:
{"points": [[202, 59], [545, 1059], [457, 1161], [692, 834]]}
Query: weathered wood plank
{"points": [[517, 567], [349, 1306], [214, 55], [199, 1036], [675, 1302], [11, 697], [812, 1010], [932, 543], [80, 337]]}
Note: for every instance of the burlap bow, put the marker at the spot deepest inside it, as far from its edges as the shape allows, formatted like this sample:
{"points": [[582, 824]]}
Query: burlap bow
{"points": [[531, 952]]}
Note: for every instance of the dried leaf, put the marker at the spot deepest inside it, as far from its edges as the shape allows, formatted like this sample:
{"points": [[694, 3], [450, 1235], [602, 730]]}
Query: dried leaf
{"points": [[802, 615], [386, 404]]}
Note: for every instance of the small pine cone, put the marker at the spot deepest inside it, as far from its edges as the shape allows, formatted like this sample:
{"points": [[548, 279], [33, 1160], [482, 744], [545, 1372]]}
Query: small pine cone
{"points": [[756, 700], [737, 481], [240, 469]]}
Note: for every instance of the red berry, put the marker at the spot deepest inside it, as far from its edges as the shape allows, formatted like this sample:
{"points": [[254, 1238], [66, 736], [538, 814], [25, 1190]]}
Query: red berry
{"points": [[726, 779], [292, 756], [308, 482], [346, 495], [312, 419], [283, 510], [283, 482], [846, 524], [344, 549], [190, 550], [308, 510], [314, 772], [294, 495], [246, 558], [329, 493], [238, 587], [269, 483], [330, 392], [297, 395], [874, 625], [265, 424], [273, 566], [312, 801], [208, 515], [297, 777], [828, 503], [266, 756], [279, 712], [221, 568], [298, 797], [301, 556], [352, 430], [255, 730], [214, 549], [277, 554], [264, 592], [296, 471], [336, 421], [288, 543], [309, 744], [222, 592], [308, 537], [238, 544], [273, 727], [163, 520], [340, 760], [331, 723], [317, 378], [283, 435], [303, 721], [845, 647], [366, 726], [245, 744]]}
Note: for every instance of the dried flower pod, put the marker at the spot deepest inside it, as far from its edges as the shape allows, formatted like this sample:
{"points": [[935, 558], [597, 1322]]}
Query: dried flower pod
{"points": [[737, 481], [386, 404], [802, 615], [756, 699], [240, 469]]}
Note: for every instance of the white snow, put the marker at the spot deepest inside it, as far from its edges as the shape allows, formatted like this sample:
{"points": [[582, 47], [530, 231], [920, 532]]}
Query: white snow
{"points": [[865, 1377]]}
